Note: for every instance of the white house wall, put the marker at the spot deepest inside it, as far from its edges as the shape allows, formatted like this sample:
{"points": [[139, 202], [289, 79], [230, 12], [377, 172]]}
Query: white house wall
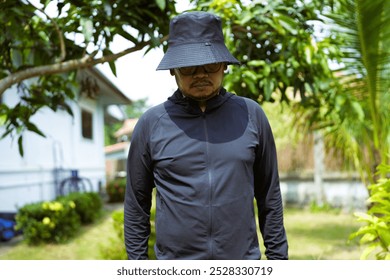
{"points": [[31, 178], [89, 154]]}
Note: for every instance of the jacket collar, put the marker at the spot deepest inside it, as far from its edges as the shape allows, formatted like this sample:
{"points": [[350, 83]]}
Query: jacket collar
{"points": [[191, 106]]}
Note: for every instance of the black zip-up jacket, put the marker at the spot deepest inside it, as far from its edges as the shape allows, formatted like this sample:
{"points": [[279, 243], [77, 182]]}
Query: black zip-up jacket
{"points": [[208, 167]]}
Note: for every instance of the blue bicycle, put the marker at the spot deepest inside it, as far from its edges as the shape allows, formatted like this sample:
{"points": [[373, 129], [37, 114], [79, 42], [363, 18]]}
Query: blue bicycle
{"points": [[75, 183]]}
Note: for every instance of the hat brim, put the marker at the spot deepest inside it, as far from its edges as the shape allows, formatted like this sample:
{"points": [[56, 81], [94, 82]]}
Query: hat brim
{"points": [[194, 54]]}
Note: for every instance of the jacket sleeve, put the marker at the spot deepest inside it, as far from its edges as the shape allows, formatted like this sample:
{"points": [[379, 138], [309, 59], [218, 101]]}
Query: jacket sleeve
{"points": [[138, 194], [267, 192]]}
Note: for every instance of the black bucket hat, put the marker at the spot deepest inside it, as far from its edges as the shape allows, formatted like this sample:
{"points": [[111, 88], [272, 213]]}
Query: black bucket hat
{"points": [[195, 38]]}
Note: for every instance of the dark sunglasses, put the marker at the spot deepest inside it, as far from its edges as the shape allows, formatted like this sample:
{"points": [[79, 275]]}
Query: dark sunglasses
{"points": [[208, 68]]}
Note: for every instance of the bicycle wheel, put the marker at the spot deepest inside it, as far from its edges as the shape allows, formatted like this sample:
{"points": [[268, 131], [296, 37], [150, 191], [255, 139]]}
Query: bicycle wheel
{"points": [[71, 185]]}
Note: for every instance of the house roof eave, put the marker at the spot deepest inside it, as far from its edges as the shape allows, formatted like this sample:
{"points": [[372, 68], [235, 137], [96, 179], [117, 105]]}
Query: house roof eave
{"points": [[112, 95]]}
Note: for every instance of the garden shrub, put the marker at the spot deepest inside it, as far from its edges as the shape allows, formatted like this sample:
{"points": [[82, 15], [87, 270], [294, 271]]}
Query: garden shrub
{"points": [[88, 205], [59, 220], [376, 233], [118, 223], [116, 190], [115, 250], [48, 222]]}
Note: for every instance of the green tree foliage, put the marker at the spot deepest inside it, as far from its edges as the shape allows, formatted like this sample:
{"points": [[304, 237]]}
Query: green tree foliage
{"points": [[134, 110], [109, 131], [44, 43], [328, 59], [275, 42]]}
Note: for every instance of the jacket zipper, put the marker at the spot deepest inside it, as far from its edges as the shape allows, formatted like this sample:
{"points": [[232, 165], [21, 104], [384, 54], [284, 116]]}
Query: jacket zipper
{"points": [[210, 186]]}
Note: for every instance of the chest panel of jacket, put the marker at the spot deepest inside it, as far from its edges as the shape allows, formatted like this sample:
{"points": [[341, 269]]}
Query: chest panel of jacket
{"points": [[195, 152]]}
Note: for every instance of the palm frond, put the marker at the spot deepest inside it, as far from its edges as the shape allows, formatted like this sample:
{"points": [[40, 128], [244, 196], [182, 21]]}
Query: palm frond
{"points": [[362, 30]]}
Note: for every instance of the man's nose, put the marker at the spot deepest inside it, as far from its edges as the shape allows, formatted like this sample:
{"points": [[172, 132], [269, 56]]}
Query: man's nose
{"points": [[200, 72]]}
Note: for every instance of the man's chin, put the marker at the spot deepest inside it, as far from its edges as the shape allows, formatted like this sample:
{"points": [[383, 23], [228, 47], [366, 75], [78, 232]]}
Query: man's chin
{"points": [[202, 97]]}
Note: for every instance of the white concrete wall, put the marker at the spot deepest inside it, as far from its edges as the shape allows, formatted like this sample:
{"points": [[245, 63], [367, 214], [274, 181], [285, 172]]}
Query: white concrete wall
{"points": [[30, 178], [349, 195]]}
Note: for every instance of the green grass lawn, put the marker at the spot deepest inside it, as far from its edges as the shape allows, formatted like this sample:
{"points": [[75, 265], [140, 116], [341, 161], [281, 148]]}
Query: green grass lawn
{"points": [[321, 236], [312, 236]]}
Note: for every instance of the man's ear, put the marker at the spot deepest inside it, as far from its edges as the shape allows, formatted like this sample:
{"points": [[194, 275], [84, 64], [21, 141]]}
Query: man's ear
{"points": [[172, 72]]}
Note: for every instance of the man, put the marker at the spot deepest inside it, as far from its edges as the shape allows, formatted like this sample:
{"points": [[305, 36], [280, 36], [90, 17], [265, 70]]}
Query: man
{"points": [[208, 153]]}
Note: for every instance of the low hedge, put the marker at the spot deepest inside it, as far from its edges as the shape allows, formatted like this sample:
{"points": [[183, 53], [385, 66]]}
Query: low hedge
{"points": [[59, 220], [48, 222], [88, 205]]}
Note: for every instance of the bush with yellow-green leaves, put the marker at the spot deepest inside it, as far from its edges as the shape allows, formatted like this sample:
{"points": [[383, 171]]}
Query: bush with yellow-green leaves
{"points": [[57, 221]]}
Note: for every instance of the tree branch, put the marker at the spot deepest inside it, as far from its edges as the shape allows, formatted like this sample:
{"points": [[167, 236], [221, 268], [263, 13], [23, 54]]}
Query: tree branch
{"points": [[66, 66]]}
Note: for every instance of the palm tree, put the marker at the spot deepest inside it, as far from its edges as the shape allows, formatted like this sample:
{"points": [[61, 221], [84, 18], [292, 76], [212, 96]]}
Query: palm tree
{"points": [[355, 113], [359, 110]]}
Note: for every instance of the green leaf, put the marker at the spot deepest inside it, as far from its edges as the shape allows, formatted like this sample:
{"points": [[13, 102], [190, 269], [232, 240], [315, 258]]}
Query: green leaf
{"points": [[308, 54], [3, 119], [368, 251], [161, 4], [363, 230], [256, 63], [268, 87], [32, 127], [127, 36], [367, 238], [87, 28], [288, 23], [266, 70], [251, 84], [250, 74], [247, 17], [112, 67], [20, 145], [110, 63], [68, 109], [275, 26], [363, 217], [6, 133], [358, 110], [384, 235]]}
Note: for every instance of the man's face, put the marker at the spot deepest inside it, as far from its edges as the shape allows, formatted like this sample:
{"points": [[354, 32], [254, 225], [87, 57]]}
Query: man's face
{"points": [[200, 83]]}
